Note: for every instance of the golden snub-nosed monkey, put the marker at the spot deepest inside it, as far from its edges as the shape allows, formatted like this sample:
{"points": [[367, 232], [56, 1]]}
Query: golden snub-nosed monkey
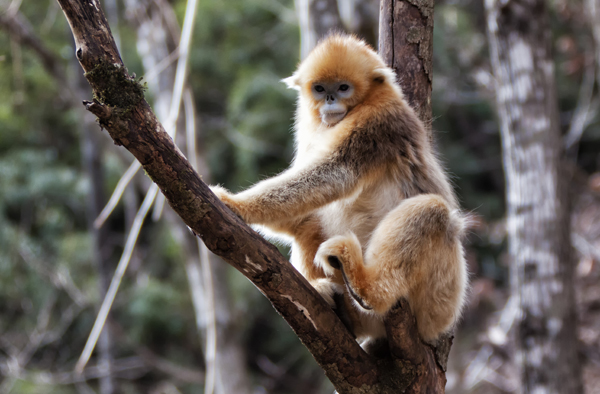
{"points": [[365, 204]]}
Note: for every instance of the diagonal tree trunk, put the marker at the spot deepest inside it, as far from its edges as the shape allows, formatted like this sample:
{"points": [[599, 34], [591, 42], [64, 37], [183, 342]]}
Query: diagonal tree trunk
{"points": [[537, 200]]}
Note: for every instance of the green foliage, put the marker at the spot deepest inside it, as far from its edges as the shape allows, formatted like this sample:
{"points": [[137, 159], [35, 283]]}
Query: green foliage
{"points": [[241, 51], [159, 311], [28, 387]]}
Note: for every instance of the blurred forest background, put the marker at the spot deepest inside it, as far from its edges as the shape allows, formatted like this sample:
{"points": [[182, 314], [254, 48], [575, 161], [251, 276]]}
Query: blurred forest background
{"points": [[58, 170]]}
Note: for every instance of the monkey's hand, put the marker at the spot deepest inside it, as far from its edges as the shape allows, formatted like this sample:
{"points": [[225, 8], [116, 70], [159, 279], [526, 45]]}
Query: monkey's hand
{"points": [[221, 192], [227, 198]]}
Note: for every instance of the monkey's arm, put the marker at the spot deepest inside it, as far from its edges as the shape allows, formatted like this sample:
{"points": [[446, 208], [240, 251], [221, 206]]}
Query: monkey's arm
{"points": [[293, 193], [364, 154]]}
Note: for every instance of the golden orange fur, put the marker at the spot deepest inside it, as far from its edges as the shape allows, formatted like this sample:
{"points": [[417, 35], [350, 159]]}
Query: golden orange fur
{"points": [[365, 205]]}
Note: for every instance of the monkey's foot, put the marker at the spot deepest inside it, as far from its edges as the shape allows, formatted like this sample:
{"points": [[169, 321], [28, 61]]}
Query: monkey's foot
{"points": [[337, 251], [343, 252]]}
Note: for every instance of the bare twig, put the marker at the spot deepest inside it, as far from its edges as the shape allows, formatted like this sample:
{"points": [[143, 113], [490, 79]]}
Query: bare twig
{"points": [[67, 316], [151, 194], [36, 337], [13, 8], [53, 11], [162, 66], [210, 351], [60, 278], [116, 280], [211, 327], [180, 78], [117, 193], [478, 369], [585, 111]]}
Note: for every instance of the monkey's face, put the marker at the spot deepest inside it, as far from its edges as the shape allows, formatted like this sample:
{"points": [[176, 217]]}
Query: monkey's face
{"points": [[331, 98], [340, 74]]}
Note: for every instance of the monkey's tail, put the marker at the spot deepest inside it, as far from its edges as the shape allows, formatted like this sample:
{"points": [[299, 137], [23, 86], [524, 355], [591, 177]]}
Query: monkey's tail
{"points": [[458, 224], [431, 213]]}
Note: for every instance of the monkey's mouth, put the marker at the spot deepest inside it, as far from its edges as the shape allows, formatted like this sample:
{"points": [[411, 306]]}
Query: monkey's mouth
{"points": [[332, 118]]}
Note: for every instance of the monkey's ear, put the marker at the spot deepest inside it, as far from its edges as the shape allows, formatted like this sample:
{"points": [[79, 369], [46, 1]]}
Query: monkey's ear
{"points": [[384, 74], [292, 82]]}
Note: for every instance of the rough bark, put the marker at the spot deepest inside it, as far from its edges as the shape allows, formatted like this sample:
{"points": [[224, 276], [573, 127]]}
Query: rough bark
{"points": [[541, 267], [406, 45], [119, 105], [317, 18]]}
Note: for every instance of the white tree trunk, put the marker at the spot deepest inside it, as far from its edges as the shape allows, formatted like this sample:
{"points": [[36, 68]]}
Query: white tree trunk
{"points": [[537, 196], [316, 19]]}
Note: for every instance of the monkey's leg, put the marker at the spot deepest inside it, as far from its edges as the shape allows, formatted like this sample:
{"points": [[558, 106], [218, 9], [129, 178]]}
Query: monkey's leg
{"points": [[365, 283], [415, 252], [304, 249], [307, 233]]}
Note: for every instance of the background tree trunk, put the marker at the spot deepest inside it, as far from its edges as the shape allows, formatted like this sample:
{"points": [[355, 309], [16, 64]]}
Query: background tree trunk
{"points": [[319, 17], [541, 268], [316, 19], [406, 45], [361, 17]]}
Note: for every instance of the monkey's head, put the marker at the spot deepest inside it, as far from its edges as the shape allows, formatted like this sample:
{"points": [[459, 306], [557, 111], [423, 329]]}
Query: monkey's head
{"points": [[339, 74]]}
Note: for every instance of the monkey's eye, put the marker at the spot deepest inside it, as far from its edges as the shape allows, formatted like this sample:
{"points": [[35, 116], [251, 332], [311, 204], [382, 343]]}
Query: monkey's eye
{"points": [[343, 87], [319, 89]]}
